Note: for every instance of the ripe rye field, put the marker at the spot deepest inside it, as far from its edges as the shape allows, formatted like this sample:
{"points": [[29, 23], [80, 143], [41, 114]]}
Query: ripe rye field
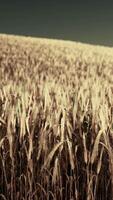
{"points": [[56, 120]]}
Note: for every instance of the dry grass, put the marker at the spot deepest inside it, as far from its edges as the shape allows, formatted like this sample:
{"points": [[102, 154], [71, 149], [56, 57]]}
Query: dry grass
{"points": [[56, 120]]}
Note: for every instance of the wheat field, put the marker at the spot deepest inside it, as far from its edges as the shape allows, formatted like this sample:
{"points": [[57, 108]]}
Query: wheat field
{"points": [[56, 120]]}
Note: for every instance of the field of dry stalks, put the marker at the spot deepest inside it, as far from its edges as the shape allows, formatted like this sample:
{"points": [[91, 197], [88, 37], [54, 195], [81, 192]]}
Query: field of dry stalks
{"points": [[56, 120]]}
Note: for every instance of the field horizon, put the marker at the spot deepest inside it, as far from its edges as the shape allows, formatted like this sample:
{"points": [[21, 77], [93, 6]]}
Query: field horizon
{"points": [[36, 38], [56, 119]]}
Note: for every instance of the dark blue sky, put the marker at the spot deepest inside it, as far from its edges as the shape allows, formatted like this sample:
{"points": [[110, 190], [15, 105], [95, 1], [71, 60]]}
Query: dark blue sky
{"points": [[85, 21]]}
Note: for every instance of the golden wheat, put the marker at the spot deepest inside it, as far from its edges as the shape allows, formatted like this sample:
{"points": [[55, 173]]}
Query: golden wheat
{"points": [[56, 120]]}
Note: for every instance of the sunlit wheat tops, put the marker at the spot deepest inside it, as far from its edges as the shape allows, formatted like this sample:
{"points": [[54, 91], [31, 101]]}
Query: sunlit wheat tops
{"points": [[56, 120]]}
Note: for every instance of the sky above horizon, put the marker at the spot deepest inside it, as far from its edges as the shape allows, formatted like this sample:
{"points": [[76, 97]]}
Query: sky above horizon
{"points": [[84, 21]]}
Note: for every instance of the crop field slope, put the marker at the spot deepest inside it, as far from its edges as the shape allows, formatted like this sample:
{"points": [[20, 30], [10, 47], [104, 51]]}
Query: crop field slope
{"points": [[56, 120]]}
